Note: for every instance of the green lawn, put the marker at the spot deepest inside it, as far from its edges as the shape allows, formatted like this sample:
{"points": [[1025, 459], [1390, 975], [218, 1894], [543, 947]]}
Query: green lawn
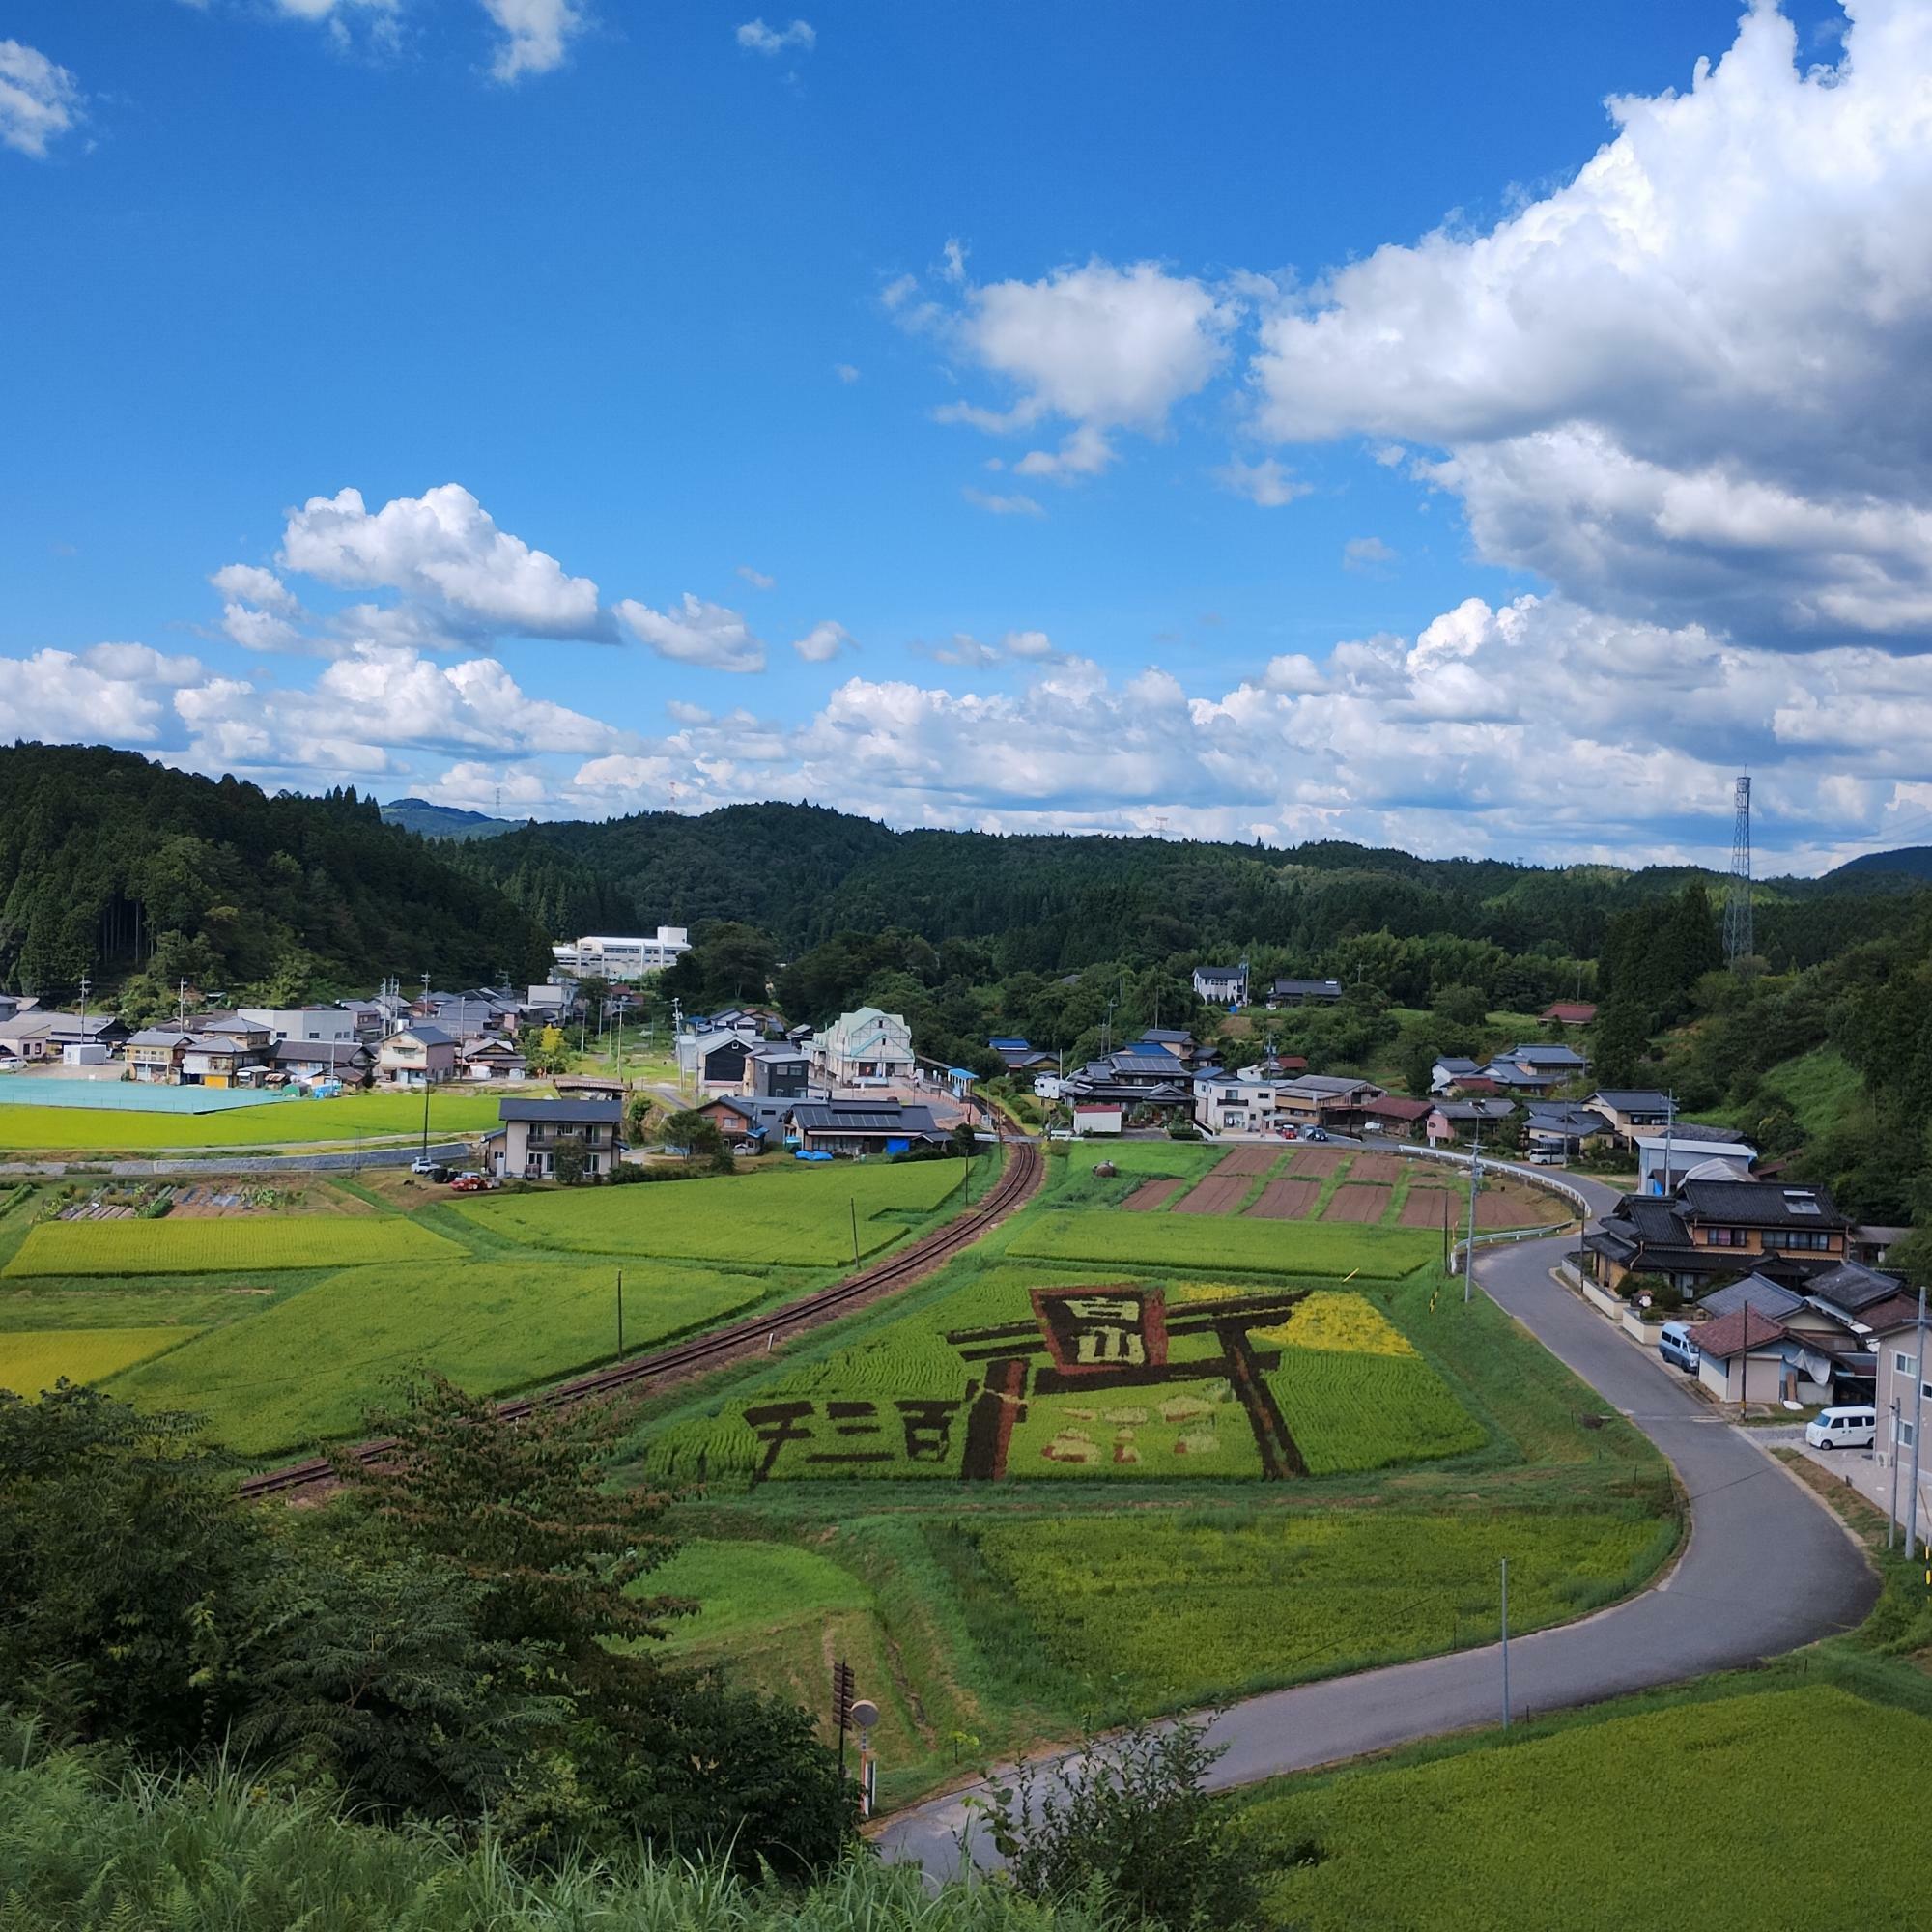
{"points": [[1331, 1249], [305, 1368], [748, 1586], [34, 1359], [247, 1244], [1675, 1820], [795, 1214], [291, 1121]]}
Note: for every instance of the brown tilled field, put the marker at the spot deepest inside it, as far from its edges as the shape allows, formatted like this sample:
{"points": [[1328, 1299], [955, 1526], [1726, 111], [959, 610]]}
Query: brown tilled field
{"points": [[1317, 1159], [1218, 1194], [1375, 1167], [1250, 1160], [1508, 1204], [1152, 1194], [1286, 1199], [1357, 1200], [1424, 1207]]}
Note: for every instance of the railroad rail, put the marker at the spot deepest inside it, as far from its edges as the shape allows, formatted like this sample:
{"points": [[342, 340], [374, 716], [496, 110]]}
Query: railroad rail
{"points": [[1018, 1178]]}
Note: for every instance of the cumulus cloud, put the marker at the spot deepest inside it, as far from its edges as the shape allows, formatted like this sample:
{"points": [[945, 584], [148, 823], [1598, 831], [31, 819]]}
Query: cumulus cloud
{"points": [[1267, 482], [1098, 347], [695, 633], [1688, 383], [1367, 554], [823, 642], [39, 100], [443, 547], [1015, 503], [536, 36], [755, 36]]}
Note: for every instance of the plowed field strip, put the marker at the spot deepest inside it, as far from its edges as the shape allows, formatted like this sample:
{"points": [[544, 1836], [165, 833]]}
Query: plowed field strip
{"points": [[1218, 1194], [1152, 1194], [1355, 1201], [1286, 1199], [1250, 1160], [1317, 1160]]}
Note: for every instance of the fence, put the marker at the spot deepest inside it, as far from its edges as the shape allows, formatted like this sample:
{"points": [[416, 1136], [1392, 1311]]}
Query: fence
{"points": [[1533, 1176]]}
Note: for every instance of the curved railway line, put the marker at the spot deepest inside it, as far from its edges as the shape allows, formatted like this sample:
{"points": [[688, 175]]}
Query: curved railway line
{"points": [[1018, 1178]]}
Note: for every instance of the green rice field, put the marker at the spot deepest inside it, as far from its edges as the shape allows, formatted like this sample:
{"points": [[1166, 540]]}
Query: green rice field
{"points": [[305, 1368], [32, 1360], [249, 1244], [1538, 1833], [349, 1117], [797, 1215], [1324, 1249]]}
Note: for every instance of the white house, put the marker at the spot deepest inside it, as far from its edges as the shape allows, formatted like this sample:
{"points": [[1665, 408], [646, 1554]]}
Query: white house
{"points": [[1223, 985], [1238, 1103], [863, 1048], [302, 1022], [422, 1055]]}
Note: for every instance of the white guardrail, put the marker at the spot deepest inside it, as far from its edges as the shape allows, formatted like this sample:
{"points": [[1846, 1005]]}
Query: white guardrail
{"points": [[1534, 1177]]}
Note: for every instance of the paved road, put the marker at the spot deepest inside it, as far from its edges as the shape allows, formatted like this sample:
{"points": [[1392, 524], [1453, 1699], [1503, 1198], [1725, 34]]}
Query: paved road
{"points": [[1767, 1568]]}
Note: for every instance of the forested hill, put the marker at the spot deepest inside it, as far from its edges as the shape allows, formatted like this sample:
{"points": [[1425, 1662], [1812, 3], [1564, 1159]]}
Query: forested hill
{"points": [[115, 867], [802, 872]]}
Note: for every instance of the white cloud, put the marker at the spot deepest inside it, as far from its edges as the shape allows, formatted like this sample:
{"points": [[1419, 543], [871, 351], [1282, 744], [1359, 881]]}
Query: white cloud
{"points": [[1017, 505], [443, 547], [1267, 482], [471, 785], [952, 262], [380, 16], [823, 642], [1688, 383], [963, 648], [1367, 554], [38, 99], [846, 372], [1083, 452], [695, 633], [108, 694], [536, 35], [757, 579], [755, 36]]}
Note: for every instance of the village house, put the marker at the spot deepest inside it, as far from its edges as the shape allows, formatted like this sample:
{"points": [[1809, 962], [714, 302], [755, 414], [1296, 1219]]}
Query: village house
{"points": [[748, 1123], [491, 1057], [1449, 1069], [302, 1022], [862, 1127], [1233, 1103], [1631, 1110], [867, 1047], [1465, 1120], [1222, 986], [1746, 1357], [228, 1050], [154, 1054], [312, 1061], [1555, 1127], [778, 1071], [1324, 1100], [1569, 1013], [421, 1055], [1901, 1357], [1665, 1161], [1534, 1068], [39, 1034], [1395, 1118], [1286, 992], [526, 1145], [715, 1059], [1714, 1231]]}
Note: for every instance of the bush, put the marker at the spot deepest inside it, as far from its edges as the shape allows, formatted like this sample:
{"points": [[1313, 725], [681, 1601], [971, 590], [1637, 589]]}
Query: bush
{"points": [[1183, 1130]]}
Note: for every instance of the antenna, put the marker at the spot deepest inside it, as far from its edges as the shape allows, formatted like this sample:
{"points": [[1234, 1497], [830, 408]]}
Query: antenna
{"points": [[1738, 941]]}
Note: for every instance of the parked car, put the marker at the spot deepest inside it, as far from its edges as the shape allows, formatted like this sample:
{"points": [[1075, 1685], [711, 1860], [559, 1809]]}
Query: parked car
{"points": [[1675, 1346], [1842, 1429], [1291, 1133], [1316, 1134], [423, 1164], [470, 1184]]}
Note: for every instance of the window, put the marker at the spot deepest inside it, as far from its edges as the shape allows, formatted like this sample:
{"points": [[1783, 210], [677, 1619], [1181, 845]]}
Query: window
{"points": [[1905, 1435], [1725, 1238], [1902, 1364]]}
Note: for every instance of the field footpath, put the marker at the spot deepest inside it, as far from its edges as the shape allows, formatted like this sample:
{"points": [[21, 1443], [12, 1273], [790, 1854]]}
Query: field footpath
{"points": [[1766, 1569]]}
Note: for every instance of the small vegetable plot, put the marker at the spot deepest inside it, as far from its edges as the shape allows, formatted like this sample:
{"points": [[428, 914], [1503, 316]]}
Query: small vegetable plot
{"points": [[1122, 1380], [801, 1216], [223, 1247], [35, 1361]]}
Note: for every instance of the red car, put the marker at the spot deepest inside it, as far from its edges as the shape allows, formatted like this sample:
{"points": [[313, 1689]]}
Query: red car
{"points": [[469, 1183]]}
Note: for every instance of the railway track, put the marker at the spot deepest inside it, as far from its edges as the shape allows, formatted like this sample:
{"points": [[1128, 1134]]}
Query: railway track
{"points": [[1017, 1179]]}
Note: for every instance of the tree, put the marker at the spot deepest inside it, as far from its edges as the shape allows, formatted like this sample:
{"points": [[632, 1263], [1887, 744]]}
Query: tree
{"points": [[637, 1111], [1620, 1041], [568, 1159], [697, 1134], [1129, 1817]]}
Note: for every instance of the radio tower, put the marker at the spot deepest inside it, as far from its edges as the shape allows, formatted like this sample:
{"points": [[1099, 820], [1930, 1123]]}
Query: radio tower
{"points": [[1739, 940]]}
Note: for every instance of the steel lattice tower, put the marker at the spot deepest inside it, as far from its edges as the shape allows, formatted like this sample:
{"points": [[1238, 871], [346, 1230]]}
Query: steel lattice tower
{"points": [[1739, 940]]}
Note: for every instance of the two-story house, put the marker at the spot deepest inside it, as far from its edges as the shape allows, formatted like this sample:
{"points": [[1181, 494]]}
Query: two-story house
{"points": [[419, 1054], [1631, 1110], [778, 1071], [526, 1144], [1328, 1100], [1240, 1103], [154, 1054], [1222, 986], [228, 1050], [865, 1048], [1714, 1231], [1905, 1378]]}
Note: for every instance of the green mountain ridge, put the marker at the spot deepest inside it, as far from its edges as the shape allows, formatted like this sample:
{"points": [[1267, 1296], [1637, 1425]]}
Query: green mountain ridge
{"points": [[444, 821]]}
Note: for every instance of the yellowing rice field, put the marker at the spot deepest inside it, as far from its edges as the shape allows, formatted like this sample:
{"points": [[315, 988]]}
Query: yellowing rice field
{"points": [[34, 1361], [222, 1247]]}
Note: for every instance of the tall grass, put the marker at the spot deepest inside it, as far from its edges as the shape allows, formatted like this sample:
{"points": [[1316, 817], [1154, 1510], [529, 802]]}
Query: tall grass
{"points": [[83, 1853]]}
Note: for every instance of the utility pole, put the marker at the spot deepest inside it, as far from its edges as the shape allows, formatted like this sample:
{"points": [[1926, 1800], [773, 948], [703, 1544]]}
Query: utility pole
{"points": [[1917, 1424], [1475, 1181], [1506, 1643], [621, 1314], [1670, 1128], [1891, 1521]]}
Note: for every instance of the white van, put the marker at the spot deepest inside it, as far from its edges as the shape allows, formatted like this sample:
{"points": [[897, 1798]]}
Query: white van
{"points": [[1842, 1429], [1674, 1344]]}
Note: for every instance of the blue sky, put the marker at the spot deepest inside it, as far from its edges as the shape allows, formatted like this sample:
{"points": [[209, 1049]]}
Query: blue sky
{"points": [[1034, 370]]}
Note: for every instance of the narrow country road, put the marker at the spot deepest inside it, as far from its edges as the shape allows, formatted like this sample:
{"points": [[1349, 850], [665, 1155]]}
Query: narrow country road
{"points": [[1767, 1568]]}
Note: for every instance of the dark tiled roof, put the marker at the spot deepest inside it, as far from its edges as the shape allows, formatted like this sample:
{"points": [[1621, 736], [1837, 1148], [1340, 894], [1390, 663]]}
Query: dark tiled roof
{"points": [[587, 1113], [1633, 1099], [1882, 1318], [1760, 1204], [1655, 1220], [1331, 989], [1753, 1292], [425, 1033], [885, 1119], [1853, 1287]]}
